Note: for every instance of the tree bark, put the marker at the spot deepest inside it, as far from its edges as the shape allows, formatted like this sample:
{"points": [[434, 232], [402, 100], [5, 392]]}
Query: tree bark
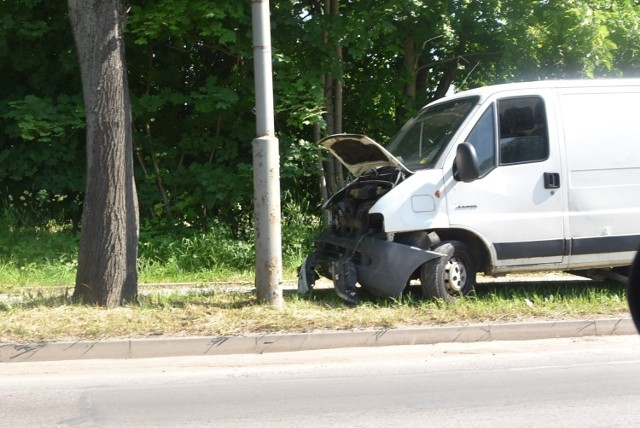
{"points": [[447, 79], [333, 102], [337, 99], [107, 274], [410, 68]]}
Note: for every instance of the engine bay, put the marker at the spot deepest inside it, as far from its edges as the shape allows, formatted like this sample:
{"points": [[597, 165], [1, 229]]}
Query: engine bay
{"points": [[349, 207]]}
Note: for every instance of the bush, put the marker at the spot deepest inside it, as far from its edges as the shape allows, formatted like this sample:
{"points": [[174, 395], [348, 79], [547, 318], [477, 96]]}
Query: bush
{"points": [[39, 249]]}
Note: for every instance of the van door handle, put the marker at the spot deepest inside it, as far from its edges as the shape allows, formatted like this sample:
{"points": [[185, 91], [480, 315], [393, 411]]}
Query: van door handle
{"points": [[551, 180]]}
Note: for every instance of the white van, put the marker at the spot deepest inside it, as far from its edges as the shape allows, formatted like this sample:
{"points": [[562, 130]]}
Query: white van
{"points": [[510, 178]]}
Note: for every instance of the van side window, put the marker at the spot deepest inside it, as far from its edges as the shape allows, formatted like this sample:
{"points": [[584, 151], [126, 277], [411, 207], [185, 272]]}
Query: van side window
{"points": [[482, 137], [523, 130]]}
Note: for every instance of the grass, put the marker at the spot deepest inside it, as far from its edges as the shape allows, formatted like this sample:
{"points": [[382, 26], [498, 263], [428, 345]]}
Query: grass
{"points": [[37, 273], [35, 255], [48, 314]]}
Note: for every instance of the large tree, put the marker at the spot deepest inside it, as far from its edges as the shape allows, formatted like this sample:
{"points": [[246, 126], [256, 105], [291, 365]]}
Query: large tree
{"points": [[107, 273]]}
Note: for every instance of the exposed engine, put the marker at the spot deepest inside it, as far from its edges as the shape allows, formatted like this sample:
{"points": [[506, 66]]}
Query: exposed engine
{"points": [[349, 208]]}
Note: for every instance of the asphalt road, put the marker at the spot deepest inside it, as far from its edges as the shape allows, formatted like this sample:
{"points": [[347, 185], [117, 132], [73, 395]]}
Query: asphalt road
{"points": [[579, 382]]}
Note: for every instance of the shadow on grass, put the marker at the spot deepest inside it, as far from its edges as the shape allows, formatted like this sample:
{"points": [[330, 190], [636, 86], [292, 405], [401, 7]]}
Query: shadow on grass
{"points": [[59, 298], [37, 299], [206, 298], [326, 297], [567, 291], [487, 291]]}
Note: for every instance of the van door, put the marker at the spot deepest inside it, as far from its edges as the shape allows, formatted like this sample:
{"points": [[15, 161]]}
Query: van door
{"points": [[602, 140], [516, 204]]}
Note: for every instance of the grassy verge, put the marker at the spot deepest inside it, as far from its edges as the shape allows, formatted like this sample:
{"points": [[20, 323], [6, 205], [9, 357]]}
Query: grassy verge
{"points": [[38, 264], [49, 315]]}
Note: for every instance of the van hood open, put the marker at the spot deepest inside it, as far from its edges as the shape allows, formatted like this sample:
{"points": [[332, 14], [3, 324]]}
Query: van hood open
{"points": [[359, 153]]}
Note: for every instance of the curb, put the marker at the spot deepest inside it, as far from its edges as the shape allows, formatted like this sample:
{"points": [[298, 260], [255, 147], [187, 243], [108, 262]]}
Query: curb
{"points": [[258, 344]]}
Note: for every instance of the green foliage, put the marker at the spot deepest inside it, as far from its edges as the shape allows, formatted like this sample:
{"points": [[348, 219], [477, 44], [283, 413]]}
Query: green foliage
{"points": [[155, 20], [43, 120], [213, 249], [32, 253], [218, 247], [595, 38], [299, 97], [192, 85], [299, 231], [191, 103]]}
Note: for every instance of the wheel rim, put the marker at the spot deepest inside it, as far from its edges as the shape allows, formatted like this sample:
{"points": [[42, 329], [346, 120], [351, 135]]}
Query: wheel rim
{"points": [[455, 275]]}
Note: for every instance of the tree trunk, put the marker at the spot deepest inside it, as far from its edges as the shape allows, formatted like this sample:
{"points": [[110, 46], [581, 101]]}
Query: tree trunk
{"points": [[322, 182], [410, 69], [447, 79], [337, 100], [409, 72], [452, 69], [333, 102], [107, 273]]}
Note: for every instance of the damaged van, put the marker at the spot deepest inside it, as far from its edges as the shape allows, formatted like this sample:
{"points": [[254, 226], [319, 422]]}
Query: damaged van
{"points": [[510, 178]]}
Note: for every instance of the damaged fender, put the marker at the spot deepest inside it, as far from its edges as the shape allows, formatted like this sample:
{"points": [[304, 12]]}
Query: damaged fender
{"points": [[382, 267]]}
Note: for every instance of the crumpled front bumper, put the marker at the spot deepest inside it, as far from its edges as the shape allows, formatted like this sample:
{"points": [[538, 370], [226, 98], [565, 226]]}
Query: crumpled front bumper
{"points": [[381, 267]]}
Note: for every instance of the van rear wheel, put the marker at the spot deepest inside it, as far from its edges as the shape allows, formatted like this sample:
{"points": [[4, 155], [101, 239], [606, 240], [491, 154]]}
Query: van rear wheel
{"points": [[449, 277]]}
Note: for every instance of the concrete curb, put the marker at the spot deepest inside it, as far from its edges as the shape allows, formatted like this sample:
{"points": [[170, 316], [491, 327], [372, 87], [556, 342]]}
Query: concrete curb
{"points": [[258, 344]]}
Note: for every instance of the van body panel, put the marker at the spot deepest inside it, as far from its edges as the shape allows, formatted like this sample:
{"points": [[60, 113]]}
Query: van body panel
{"points": [[601, 133], [406, 208], [359, 153]]}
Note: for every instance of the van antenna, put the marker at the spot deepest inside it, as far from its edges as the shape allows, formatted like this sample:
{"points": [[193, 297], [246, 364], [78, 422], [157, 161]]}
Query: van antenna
{"points": [[469, 73]]}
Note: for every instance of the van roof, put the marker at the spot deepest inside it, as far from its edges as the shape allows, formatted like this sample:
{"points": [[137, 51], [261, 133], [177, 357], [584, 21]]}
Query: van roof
{"points": [[485, 91]]}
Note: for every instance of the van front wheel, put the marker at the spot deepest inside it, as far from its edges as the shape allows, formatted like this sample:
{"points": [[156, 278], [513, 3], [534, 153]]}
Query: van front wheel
{"points": [[451, 276]]}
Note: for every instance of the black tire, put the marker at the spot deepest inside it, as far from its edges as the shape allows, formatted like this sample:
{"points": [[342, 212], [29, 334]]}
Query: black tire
{"points": [[449, 277]]}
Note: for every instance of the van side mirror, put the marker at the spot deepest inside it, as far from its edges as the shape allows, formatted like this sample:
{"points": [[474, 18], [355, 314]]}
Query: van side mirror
{"points": [[465, 165]]}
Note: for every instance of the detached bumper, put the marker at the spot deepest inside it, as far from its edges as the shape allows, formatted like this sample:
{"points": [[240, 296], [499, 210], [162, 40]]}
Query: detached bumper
{"points": [[381, 267]]}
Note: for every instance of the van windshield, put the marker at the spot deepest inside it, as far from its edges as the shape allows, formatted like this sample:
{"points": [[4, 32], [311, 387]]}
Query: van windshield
{"points": [[423, 138]]}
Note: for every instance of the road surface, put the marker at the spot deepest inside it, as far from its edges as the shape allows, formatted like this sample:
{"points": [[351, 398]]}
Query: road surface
{"points": [[586, 382]]}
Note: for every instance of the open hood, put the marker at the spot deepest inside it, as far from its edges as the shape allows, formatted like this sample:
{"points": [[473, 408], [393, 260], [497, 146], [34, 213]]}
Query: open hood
{"points": [[359, 153]]}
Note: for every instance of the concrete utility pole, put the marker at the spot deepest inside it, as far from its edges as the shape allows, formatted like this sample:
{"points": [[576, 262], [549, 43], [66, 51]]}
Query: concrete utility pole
{"points": [[266, 166]]}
